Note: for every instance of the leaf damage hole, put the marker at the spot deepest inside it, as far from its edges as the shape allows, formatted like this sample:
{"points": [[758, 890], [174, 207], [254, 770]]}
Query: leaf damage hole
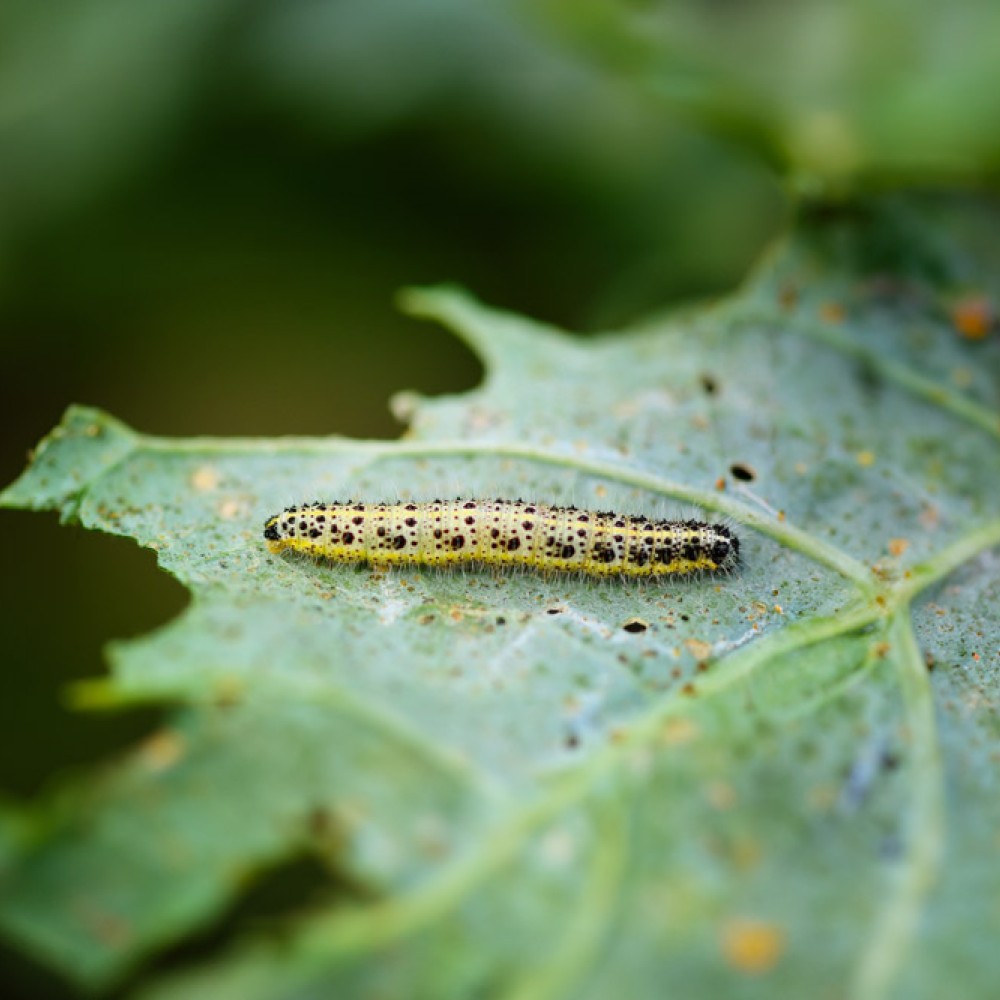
{"points": [[280, 892]]}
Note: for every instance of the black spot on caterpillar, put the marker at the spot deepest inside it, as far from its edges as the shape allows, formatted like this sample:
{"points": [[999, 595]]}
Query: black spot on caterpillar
{"points": [[502, 533]]}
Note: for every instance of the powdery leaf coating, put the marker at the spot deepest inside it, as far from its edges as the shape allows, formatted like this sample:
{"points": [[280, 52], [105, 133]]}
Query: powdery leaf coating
{"points": [[746, 785]]}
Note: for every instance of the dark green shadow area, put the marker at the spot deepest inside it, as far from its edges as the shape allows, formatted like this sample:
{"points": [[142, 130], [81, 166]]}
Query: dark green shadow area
{"points": [[69, 593]]}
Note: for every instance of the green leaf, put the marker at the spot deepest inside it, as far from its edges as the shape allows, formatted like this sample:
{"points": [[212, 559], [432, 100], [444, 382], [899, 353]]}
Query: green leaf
{"points": [[764, 793]]}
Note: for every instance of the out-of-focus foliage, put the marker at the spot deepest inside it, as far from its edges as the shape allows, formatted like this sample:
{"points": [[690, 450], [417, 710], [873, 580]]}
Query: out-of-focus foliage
{"points": [[91, 92], [840, 94], [95, 97]]}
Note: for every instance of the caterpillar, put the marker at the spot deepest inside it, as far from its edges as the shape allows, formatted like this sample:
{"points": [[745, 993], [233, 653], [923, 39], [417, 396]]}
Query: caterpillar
{"points": [[502, 533]]}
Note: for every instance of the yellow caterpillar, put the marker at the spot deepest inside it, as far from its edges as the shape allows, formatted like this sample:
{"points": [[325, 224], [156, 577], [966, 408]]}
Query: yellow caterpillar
{"points": [[502, 533]]}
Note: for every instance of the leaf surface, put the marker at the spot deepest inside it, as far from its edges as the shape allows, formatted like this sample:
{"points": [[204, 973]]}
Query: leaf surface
{"points": [[763, 792]]}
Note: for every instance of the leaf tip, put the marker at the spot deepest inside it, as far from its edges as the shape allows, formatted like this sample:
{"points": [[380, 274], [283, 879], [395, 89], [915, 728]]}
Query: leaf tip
{"points": [[85, 442]]}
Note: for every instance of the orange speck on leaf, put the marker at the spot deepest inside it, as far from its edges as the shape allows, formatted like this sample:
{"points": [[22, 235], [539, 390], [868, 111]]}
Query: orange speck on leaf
{"points": [[973, 316], [205, 478], [162, 750], [110, 929], [699, 649], [929, 517], [897, 546], [832, 312], [788, 296], [678, 730], [228, 691], [752, 946]]}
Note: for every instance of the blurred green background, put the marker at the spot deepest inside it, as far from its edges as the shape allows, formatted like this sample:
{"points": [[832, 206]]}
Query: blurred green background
{"points": [[206, 207]]}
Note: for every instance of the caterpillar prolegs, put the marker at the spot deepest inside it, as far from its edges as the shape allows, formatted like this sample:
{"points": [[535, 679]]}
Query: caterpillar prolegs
{"points": [[507, 533]]}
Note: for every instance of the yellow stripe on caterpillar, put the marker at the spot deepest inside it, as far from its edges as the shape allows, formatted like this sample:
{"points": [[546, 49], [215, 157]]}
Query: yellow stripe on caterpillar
{"points": [[508, 533]]}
